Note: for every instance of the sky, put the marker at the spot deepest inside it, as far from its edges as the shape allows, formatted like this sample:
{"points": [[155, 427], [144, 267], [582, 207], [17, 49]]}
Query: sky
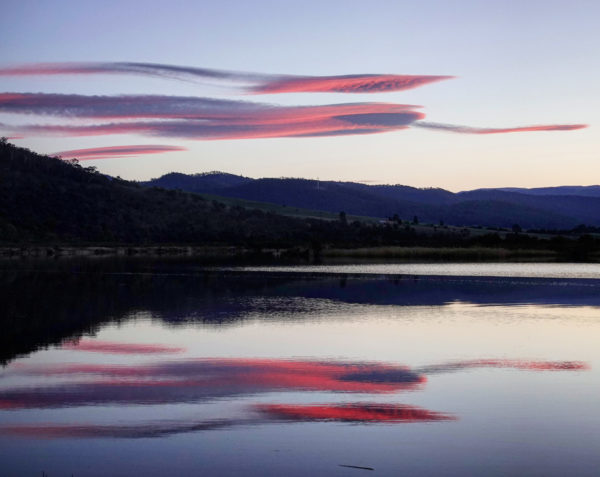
{"points": [[458, 95]]}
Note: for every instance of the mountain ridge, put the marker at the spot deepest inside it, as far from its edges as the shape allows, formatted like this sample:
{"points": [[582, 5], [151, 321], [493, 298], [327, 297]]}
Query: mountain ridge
{"points": [[560, 207]]}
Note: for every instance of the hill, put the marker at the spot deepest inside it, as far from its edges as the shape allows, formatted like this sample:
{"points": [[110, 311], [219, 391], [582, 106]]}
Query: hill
{"points": [[582, 191], [206, 182], [46, 199], [549, 208]]}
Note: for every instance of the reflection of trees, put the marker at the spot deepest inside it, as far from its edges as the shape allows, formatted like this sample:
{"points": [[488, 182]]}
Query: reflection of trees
{"points": [[43, 307], [48, 302]]}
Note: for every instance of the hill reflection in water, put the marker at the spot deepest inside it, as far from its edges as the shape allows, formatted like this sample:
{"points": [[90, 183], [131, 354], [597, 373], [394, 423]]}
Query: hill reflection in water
{"points": [[47, 305]]}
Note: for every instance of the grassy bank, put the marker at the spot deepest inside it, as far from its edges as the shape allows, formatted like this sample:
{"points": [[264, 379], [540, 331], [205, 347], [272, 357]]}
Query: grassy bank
{"points": [[442, 253], [408, 253], [237, 253], [109, 251]]}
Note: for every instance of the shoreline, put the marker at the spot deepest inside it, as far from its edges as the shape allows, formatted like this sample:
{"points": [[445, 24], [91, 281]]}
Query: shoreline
{"points": [[305, 253]]}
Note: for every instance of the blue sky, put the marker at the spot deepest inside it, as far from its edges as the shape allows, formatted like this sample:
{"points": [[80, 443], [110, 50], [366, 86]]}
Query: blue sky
{"points": [[516, 63]]}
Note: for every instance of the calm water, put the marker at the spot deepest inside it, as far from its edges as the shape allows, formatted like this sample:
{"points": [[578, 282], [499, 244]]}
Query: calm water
{"points": [[168, 368]]}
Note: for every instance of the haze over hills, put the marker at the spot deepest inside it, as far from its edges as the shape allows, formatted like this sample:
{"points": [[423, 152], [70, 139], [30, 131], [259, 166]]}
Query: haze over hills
{"points": [[562, 207], [584, 191]]}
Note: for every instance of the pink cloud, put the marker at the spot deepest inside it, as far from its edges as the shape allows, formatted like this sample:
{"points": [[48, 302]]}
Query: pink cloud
{"points": [[270, 123], [205, 118], [345, 84], [181, 107], [256, 83], [198, 118], [116, 151]]}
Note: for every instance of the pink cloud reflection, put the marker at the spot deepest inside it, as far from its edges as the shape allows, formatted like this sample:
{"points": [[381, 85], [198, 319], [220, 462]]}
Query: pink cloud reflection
{"points": [[97, 346], [354, 412]]}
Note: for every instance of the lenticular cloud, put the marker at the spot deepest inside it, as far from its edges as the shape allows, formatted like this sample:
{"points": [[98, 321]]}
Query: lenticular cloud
{"points": [[256, 83], [179, 107], [203, 118], [198, 118], [471, 130], [116, 151], [346, 84]]}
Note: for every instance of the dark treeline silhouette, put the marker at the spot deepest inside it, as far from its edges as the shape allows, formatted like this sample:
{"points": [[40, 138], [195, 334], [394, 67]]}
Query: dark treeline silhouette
{"points": [[45, 200]]}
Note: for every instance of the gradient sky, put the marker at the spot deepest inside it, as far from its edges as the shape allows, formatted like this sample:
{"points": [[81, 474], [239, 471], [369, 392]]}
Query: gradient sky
{"points": [[515, 63]]}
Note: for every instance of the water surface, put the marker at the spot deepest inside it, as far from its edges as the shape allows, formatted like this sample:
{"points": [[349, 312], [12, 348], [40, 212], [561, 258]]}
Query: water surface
{"points": [[155, 368]]}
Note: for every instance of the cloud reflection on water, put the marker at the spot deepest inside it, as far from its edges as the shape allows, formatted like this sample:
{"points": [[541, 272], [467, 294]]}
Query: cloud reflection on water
{"points": [[110, 347], [203, 380], [255, 415]]}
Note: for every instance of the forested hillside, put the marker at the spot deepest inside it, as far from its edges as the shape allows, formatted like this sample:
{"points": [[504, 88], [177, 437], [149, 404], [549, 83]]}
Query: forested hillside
{"points": [[45, 200], [549, 208]]}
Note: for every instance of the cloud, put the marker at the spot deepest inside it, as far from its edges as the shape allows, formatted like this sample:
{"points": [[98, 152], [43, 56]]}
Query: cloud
{"points": [[184, 73], [126, 106], [188, 117], [472, 130], [116, 151], [217, 130], [346, 84], [181, 107], [111, 347], [205, 119], [255, 83]]}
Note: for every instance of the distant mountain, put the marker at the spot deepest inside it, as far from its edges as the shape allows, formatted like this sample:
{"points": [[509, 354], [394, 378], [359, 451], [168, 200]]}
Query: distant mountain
{"points": [[207, 182], [545, 208], [579, 209], [582, 191]]}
